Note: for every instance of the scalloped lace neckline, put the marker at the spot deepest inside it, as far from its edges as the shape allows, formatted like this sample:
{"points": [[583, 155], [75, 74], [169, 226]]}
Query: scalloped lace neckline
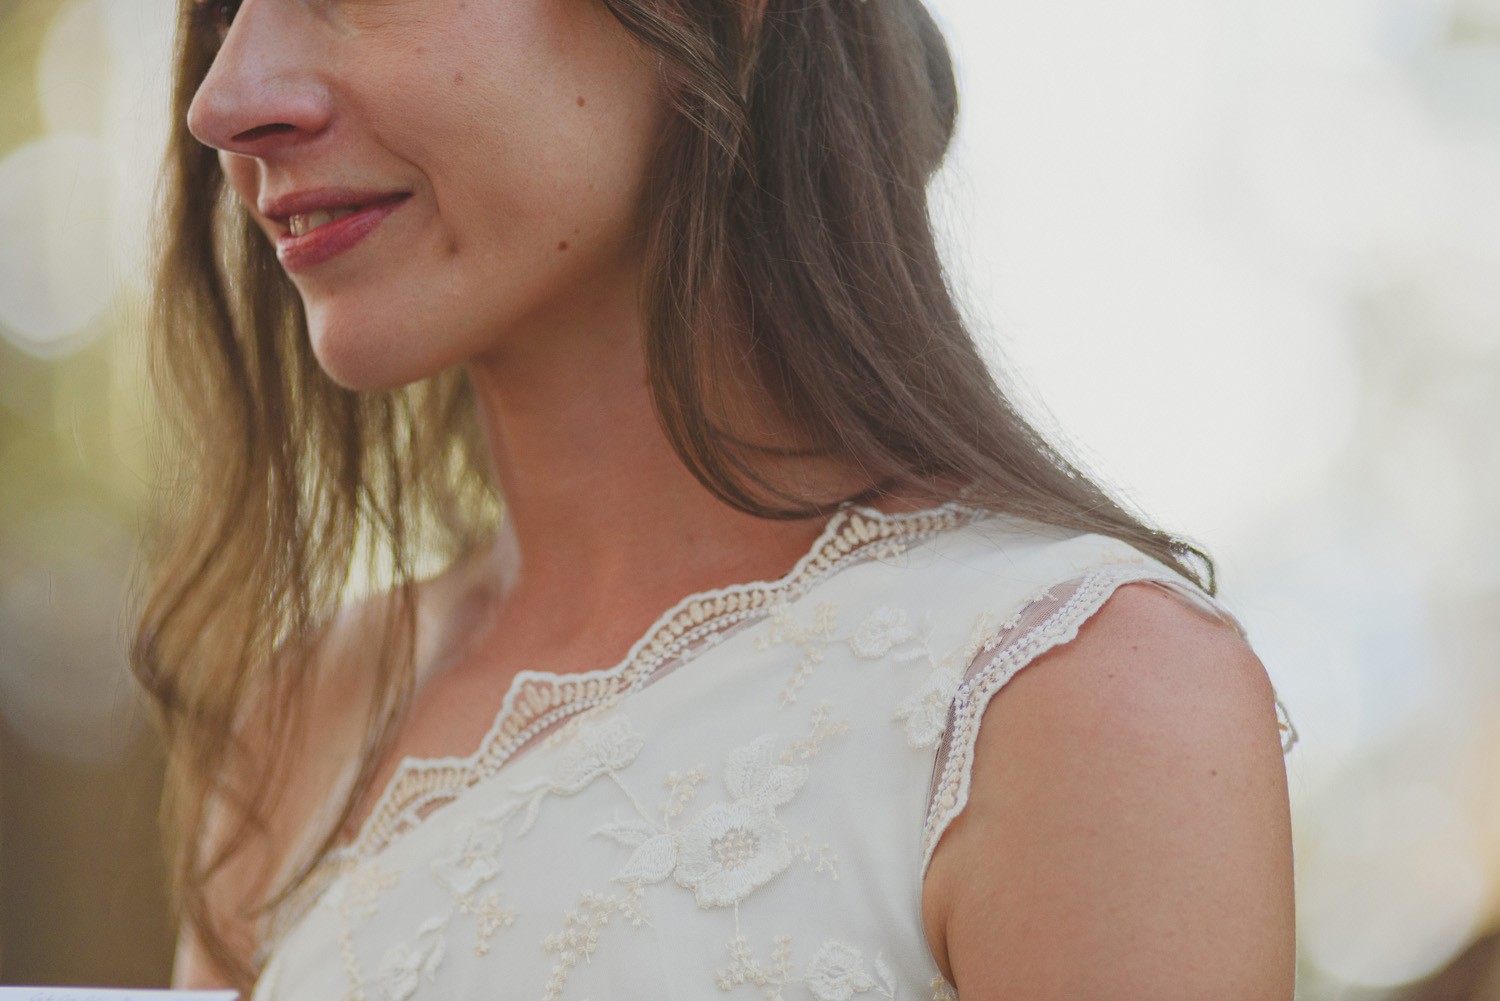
{"points": [[538, 701]]}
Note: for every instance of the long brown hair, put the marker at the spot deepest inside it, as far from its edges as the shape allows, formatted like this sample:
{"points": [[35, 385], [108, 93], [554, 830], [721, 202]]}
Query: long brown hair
{"points": [[788, 225]]}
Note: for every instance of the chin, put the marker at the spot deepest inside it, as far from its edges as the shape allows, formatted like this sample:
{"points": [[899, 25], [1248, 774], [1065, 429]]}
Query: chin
{"points": [[360, 352]]}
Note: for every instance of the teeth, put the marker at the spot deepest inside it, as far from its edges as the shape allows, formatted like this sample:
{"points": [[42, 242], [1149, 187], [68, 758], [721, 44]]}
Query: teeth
{"points": [[301, 225]]}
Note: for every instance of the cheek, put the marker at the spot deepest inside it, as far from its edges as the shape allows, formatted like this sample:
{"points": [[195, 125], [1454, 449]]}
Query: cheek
{"points": [[528, 151], [540, 109]]}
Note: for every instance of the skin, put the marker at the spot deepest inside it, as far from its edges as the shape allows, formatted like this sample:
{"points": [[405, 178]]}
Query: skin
{"points": [[1126, 834]]}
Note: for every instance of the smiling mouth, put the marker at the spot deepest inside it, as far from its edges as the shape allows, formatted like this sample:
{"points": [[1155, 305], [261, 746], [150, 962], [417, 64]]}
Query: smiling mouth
{"points": [[301, 225], [320, 233]]}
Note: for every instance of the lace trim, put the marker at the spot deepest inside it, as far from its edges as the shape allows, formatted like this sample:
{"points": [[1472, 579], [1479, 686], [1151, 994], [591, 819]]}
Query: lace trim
{"points": [[537, 700], [1018, 647]]}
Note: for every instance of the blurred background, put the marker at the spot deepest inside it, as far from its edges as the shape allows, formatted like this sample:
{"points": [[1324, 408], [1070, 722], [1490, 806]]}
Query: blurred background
{"points": [[1242, 256]]}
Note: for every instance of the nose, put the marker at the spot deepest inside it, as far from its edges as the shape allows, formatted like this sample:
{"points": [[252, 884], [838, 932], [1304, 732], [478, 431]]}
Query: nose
{"points": [[263, 92]]}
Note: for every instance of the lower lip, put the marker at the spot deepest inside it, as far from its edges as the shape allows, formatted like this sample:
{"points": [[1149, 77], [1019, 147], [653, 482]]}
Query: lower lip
{"points": [[317, 246]]}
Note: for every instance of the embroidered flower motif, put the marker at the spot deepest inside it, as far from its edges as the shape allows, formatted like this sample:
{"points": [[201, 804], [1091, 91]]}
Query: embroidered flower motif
{"points": [[782, 627], [472, 859], [881, 630], [729, 850], [837, 973], [655, 853], [598, 750], [887, 985], [683, 790], [358, 896], [491, 918], [579, 937], [745, 968], [926, 710], [755, 773], [404, 966]]}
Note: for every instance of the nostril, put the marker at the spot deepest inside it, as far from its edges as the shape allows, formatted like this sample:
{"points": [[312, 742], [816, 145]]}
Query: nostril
{"points": [[263, 132]]}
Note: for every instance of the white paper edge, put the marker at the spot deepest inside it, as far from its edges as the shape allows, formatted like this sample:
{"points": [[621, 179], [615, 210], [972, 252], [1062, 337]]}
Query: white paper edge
{"points": [[108, 994]]}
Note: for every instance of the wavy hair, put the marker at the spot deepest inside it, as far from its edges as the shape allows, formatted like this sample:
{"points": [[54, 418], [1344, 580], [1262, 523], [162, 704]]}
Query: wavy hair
{"points": [[788, 227]]}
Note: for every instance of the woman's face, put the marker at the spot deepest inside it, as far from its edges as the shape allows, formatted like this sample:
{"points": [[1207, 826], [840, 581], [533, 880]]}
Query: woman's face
{"points": [[440, 177]]}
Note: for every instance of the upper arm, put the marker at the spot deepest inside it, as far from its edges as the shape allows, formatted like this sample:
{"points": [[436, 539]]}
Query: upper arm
{"points": [[1127, 831]]}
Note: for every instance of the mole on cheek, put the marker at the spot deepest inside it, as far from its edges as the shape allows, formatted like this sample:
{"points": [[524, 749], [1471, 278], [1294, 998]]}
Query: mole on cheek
{"points": [[580, 102], [562, 245], [458, 77]]}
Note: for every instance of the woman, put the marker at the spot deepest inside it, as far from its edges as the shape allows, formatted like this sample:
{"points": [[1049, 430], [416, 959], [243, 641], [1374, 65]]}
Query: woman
{"points": [[659, 275]]}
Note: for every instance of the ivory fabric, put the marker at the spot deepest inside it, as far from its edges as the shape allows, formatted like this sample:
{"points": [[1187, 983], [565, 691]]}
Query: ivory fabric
{"points": [[744, 807]]}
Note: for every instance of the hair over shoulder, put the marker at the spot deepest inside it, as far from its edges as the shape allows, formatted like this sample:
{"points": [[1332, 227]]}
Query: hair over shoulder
{"points": [[787, 225]]}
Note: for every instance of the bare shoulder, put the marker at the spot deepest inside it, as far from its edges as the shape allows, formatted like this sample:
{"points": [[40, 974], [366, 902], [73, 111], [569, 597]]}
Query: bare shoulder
{"points": [[1127, 831]]}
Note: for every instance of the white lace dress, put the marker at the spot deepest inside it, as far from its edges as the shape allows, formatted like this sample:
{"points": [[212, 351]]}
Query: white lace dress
{"points": [[744, 807]]}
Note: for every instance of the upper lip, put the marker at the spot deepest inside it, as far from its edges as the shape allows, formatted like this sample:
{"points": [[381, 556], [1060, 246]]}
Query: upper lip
{"points": [[281, 208]]}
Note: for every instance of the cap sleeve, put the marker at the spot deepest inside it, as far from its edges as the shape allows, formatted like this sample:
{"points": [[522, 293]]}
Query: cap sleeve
{"points": [[1049, 619]]}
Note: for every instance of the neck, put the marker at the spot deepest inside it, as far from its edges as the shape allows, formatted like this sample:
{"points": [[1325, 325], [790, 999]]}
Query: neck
{"points": [[600, 511]]}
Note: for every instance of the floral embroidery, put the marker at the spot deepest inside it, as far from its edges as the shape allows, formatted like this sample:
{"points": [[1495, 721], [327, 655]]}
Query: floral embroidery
{"points": [[782, 628], [542, 705], [836, 973], [404, 966], [539, 701], [875, 637], [822, 728], [492, 917], [473, 860], [579, 937], [726, 852], [599, 750], [752, 773], [744, 968], [595, 750], [655, 850], [926, 710], [358, 897], [683, 790], [887, 978], [881, 630], [729, 850], [813, 639], [355, 901], [731, 846]]}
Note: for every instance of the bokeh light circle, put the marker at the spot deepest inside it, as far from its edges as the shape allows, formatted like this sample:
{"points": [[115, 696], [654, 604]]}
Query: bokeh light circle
{"points": [[1394, 884], [56, 270]]}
